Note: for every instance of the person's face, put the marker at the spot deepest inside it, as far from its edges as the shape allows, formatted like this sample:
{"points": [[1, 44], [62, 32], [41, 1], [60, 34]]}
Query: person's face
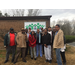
{"points": [[23, 31], [49, 29], [32, 32], [56, 28], [29, 30], [53, 29], [26, 30], [45, 30], [11, 31], [38, 30], [42, 29]]}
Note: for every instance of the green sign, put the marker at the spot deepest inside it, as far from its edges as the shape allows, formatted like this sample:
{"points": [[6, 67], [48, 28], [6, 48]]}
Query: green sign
{"points": [[35, 25]]}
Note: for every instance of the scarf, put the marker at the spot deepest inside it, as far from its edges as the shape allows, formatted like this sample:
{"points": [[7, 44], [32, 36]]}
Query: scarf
{"points": [[39, 37]]}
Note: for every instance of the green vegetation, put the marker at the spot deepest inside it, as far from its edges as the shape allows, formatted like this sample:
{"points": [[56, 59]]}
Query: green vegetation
{"points": [[70, 38]]}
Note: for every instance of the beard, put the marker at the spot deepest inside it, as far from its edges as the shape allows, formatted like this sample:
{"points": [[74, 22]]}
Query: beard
{"points": [[23, 32]]}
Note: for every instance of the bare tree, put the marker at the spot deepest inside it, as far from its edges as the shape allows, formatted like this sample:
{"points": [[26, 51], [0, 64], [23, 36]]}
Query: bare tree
{"points": [[73, 27], [6, 15], [1, 14], [65, 25], [18, 12], [33, 12], [21, 12], [53, 23]]}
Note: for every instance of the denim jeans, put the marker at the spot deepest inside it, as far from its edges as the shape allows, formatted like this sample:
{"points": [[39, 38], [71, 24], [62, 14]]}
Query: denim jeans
{"points": [[58, 56], [38, 49]]}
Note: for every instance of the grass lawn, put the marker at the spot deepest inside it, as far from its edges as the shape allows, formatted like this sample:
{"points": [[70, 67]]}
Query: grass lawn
{"points": [[70, 58]]}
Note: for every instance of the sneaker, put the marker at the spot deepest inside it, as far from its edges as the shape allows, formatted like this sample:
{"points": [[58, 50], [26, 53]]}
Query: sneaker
{"points": [[46, 61], [14, 62], [31, 58], [24, 61], [64, 63], [50, 61], [35, 59], [56, 62], [6, 61]]}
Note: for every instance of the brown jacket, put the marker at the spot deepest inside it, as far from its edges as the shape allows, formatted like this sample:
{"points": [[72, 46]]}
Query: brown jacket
{"points": [[21, 40], [59, 40]]}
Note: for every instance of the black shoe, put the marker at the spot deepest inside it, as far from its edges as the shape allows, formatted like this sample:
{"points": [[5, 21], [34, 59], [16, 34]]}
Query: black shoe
{"points": [[6, 61], [46, 61], [24, 61], [31, 58], [56, 62], [64, 63], [14, 62], [35, 59], [50, 61]]}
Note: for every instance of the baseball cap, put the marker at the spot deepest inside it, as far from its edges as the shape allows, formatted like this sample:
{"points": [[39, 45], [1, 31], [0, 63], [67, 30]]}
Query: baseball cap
{"points": [[11, 29]]}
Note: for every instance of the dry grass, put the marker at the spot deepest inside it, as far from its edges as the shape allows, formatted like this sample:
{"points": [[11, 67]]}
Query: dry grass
{"points": [[70, 57]]}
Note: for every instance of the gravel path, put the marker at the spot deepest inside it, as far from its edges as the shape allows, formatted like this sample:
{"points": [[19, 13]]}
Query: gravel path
{"points": [[72, 44]]}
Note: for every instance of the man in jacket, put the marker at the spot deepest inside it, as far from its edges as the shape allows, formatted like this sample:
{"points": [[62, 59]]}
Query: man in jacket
{"points": [[21, 44], [10, 44], [38, 43], [42, 32], [58, 43], [52, 38], [47, 45]]}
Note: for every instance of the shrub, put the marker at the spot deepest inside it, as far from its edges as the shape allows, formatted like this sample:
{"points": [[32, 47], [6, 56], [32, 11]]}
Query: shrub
{"points": [[70, 38]]}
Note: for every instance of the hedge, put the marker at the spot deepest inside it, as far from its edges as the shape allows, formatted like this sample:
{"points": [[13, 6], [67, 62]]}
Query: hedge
{"points": [[70, 38]]}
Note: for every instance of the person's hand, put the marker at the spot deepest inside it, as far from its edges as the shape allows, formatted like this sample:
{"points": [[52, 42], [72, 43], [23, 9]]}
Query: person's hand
{"points": [[5, 47], [43, 35], [25, 35], [45, 45]]}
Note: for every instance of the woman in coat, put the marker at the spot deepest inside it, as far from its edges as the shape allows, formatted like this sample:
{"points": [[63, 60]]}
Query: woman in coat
{"points": [[32, 44]]}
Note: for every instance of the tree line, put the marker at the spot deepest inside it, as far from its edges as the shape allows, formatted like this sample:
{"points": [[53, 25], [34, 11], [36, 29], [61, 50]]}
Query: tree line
{"points": [[66, 25], [20, 12]]}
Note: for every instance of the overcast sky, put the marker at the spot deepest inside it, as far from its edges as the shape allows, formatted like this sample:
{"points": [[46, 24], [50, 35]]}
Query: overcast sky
{"points": [[57, 14]]}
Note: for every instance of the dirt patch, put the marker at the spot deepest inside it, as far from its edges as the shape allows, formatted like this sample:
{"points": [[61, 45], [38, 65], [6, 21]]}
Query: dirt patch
{"points": [[70, 58]]}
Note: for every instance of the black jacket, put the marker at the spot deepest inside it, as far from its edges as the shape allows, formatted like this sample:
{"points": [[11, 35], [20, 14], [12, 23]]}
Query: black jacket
{"points": [[52, 37], [64, 40], [46, 39], [39, 38]]}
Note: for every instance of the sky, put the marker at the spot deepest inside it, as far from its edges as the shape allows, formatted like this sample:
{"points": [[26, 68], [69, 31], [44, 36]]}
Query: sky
{"points": [[57, 14]]}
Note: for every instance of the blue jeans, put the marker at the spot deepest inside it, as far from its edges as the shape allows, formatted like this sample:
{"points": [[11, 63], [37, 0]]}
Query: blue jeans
{"points": [[58, 56], [38, 48]]}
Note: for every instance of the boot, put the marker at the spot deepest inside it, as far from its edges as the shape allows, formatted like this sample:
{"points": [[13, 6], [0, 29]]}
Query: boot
{"points": [[6, 61]]}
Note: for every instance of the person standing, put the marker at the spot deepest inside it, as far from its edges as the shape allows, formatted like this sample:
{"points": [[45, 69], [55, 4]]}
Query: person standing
{"points": [[10, 44], [62, 51], [42, 32], [29, 32], [32, 44], [52, 38], [21, 45], [27, 42], [38, 43], [58, 43], [47, 46]]}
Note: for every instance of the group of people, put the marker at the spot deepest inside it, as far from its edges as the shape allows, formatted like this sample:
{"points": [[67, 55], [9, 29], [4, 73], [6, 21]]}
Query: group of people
{"points": [[39, 43]]}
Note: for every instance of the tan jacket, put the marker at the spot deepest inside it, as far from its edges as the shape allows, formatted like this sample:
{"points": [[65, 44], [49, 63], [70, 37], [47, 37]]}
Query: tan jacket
{"points": [[59, 40], [21, 40]]}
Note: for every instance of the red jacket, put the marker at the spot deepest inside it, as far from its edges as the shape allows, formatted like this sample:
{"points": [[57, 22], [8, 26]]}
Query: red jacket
{"points": [[32, 40]]}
